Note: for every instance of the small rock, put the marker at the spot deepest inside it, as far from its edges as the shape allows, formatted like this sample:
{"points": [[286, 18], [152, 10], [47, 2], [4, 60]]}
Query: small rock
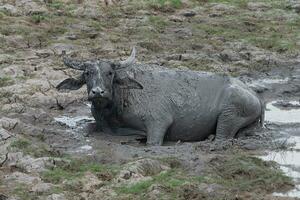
{"points": [[4, 134], [31, 7], [42, 188], [56, 197], [183, 32], [210, 188], [215, 15], [22, 178], [10, 9], [250, 146], [45, 53], [175, 18], [258, 6], [229, 56], [58, 48], [222, 7], [154, 192], [103, 194], [8, 123], [13, 108], [142, 168], [72, 37], [90, 12], [29, 164], [90, 182], [188, 13]]}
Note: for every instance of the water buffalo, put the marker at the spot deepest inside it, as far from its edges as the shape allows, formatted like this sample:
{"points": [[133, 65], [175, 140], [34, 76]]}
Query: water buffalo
{"points": [[165, 103]]}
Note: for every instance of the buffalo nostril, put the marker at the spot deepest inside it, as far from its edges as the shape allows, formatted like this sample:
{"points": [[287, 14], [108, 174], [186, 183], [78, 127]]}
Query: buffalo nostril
{"points": [[93, 91], [102, 92]]}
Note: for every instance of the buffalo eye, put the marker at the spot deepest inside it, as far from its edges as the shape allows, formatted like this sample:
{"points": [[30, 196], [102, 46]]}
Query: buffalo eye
{"points": [[110, 73]]}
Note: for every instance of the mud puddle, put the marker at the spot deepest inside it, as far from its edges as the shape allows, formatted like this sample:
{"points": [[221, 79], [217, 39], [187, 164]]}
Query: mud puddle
{"points": [[279, 115], [282, 113], [72, 122]]}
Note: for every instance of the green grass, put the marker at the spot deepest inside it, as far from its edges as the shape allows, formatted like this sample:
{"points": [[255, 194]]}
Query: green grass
{"points": [[5, 94], [56, 5], [165, 5], [38, 18], [20, 144], [6, 81], [22, 191], [35, 149], [136, 188], [245, 173], [75, 170], [171, 179], [236, 173], [158, 22]]}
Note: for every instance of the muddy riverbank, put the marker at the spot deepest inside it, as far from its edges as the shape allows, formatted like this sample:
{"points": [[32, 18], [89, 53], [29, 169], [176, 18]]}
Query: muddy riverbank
{"points": [[49, 148]]}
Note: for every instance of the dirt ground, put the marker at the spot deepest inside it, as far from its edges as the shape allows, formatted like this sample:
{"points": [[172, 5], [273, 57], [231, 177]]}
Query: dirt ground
{"points": [[48, 146]]}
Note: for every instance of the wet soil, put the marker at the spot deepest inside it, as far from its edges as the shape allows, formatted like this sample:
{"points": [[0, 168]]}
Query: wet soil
{"points": [[233, 37]]}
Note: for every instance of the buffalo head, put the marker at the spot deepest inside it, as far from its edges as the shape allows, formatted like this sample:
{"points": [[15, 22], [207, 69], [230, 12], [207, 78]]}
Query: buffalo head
{"points": [[100, 77]]}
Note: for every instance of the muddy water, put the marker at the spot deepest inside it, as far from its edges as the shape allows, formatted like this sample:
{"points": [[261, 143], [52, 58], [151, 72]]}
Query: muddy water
{"points": [[277, 115], [289, 159]]}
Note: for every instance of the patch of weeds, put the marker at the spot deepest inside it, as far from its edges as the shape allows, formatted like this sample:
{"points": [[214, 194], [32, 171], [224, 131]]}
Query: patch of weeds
{"points": [[38, 18], [171, 180], [2, 15], [56, 175], [165, 5], [5, 94], [199, 65], [158, 22], [54, 29], [20, 144], [239, 3], [115, 38], [96, 25], [22, 78], [56, 190], [6, 81], [154, 46], [75, 170], [56, 5], [34, 149], [275, 41], [245, 173], [136, 188], [21, 190], [173, 162]]}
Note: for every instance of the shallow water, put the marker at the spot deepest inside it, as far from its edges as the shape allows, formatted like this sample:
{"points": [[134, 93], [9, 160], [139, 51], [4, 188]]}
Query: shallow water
{"points": [[289, 160], [272, 81], [292, 193], [267, 82], [277, 115], [72, 121]]}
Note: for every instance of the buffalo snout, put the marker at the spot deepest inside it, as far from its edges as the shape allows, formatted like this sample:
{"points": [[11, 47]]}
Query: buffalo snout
{"points": [[98, 93]]}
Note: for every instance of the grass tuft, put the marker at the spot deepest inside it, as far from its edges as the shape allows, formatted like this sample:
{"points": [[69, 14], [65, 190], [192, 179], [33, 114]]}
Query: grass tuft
{"points": [[165, 5], [75, 170], [6, 81], [245, 173]]}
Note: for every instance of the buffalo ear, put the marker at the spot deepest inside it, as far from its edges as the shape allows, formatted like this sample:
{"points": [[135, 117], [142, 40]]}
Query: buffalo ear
{"points": [[128, 83], [71, 83]]}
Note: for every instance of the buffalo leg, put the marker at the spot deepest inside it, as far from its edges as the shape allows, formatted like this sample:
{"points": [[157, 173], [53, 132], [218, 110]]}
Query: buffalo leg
{"points": [[156, 133], [228, 124]]}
